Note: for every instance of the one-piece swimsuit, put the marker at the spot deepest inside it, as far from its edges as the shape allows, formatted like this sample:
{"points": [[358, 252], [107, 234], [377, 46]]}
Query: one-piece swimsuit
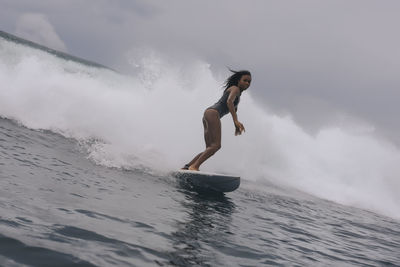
{"points": [[222, 106]]}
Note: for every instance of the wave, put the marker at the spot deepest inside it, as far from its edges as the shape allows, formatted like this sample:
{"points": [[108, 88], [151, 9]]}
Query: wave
{"points": [[153, 120]]}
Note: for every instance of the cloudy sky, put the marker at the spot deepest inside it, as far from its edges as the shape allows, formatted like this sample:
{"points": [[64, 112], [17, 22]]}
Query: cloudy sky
{"points": [[324, 62]]}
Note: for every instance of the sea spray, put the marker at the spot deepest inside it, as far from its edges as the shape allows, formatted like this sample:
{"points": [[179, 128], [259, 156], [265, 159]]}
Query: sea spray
{"points": [[152, 121]]}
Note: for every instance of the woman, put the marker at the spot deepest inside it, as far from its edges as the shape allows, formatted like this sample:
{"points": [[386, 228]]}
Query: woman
{"points": [[238, 82]]}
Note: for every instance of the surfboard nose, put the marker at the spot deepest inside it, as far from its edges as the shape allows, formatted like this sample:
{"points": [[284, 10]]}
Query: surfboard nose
{"points": [[227, 184]]}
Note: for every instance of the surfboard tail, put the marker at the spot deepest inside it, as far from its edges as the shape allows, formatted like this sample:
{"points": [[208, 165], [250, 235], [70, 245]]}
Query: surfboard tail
{"points": [[209, 181]]}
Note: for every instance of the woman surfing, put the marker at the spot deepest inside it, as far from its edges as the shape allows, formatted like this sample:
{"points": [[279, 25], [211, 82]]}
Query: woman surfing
{"points": [[238, 82]]}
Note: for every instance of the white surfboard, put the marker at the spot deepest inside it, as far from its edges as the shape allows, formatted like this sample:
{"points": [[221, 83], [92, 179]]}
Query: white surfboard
{"points": [[208, 181]]}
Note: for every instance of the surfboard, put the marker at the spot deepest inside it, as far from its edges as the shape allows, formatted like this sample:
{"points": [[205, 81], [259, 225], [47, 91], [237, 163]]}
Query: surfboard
{"points": [[208, 181]]}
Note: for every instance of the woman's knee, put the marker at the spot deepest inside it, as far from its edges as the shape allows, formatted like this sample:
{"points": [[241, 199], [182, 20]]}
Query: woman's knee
{"points": [[216, 147]]}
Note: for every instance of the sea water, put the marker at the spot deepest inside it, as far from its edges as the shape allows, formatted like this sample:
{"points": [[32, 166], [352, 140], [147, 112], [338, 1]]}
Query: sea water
{"points": [[86, 155]]}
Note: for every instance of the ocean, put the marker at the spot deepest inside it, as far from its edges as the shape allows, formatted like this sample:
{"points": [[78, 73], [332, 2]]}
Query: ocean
{"points": [[86, 156]]}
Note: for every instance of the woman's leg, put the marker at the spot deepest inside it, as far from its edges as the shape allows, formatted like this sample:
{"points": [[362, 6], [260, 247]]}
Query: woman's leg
{"points": [[212, 137], [186, 167]]}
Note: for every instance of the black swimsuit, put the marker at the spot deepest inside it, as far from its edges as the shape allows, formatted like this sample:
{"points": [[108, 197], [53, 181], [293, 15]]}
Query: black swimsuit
{"points": [[222, 107]]}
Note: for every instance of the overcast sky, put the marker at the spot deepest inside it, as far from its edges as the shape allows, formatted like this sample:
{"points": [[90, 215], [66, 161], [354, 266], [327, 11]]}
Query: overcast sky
{"points": [[324, 62]]}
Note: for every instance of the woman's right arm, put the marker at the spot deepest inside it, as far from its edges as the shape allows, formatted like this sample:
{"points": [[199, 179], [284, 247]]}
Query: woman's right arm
{"points": [[234, 91]]}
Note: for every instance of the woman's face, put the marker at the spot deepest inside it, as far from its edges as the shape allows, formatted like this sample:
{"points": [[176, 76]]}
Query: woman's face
{"points": [[244, 82]]}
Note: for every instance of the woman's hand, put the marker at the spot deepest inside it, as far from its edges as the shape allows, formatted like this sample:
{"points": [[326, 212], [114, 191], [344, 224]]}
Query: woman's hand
{"points": [[239, 128]]}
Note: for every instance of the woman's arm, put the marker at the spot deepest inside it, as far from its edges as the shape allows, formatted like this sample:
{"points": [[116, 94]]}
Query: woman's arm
{"points": [[234, 91]]}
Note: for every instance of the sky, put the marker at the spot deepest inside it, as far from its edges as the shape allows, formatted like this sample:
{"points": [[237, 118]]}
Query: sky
{"points": [[332, 62]]}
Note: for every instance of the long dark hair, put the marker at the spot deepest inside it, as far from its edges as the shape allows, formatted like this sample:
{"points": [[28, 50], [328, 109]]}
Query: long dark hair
{"points": [[235, 78]]}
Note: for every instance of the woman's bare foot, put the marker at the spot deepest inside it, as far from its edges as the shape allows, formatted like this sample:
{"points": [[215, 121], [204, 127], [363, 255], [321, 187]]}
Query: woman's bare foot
{"points": [[191, 168], [186, 167]]}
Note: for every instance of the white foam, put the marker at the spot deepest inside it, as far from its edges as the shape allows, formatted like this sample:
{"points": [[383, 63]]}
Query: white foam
{"points": [[153, 120]]}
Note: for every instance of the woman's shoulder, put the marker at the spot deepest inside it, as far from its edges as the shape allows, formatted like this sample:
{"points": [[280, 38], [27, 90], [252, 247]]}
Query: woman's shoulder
{"points": [[235, 89]]}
